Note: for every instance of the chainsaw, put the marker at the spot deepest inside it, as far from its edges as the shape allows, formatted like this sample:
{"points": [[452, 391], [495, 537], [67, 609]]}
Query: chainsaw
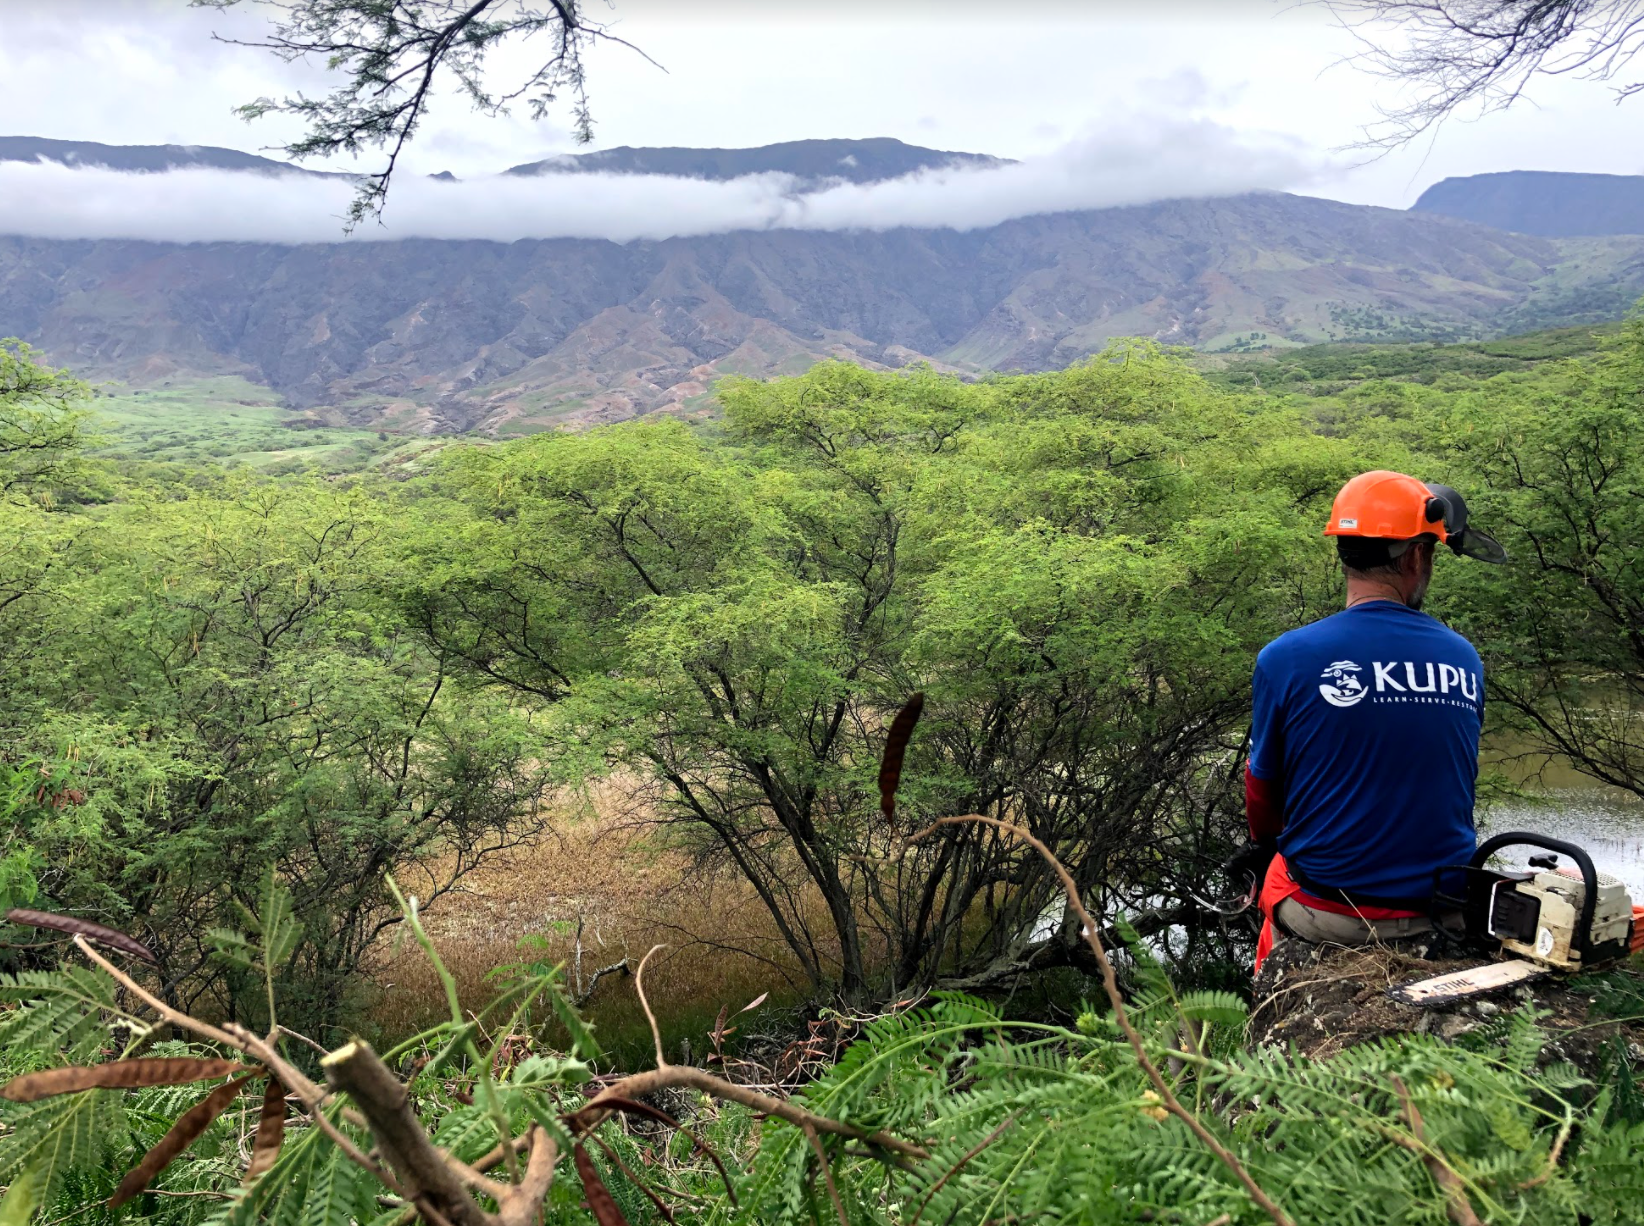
{"points": [[1555, 920]]}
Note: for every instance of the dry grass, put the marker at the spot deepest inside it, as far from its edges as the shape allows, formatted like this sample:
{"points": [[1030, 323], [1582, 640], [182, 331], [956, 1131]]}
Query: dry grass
{"points": [[603, 887]]}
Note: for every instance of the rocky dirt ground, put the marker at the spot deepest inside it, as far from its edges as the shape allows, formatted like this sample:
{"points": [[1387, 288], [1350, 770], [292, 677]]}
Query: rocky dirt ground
{"points": [[1324, 999]]}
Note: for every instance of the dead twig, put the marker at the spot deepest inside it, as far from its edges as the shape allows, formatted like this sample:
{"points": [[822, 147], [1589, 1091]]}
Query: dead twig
{"points": [[683, 1076], [587, 993], [240, 1039], [1121, 1015], [639, 989], [303, 1038], [1457, 1203], [166, 1013], [1553, 1155], [827, 1174], [961, 1164]]}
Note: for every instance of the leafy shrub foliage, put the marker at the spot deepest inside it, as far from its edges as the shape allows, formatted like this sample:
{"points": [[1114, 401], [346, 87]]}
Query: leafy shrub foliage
{"points": [[204, 675], [1000, 1119]]}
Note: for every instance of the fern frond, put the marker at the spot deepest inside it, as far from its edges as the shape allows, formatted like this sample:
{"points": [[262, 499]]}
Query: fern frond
{"points": [[59, 1013], [56, 1137], [1219, 1008], [333, 1193]]}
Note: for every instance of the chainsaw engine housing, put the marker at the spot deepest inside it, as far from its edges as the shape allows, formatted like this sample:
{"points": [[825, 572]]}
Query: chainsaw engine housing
{"points": [[1555, 920], [1539, 918]]}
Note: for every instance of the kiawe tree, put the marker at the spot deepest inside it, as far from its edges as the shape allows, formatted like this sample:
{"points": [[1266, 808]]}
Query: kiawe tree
{"points": [[43, 421], [1075, 569], [1559, 466], [222, 685]]}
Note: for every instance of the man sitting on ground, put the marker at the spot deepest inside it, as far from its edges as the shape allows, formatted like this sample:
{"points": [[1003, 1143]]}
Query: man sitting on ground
{"points": [[1365, 730]]}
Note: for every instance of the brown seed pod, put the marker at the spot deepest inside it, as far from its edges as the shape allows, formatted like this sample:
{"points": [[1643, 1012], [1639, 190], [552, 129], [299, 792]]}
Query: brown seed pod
{"points": [[183, 1133], [265, 1147], [118, 1075], [600, 1201], [896, 746], [78, 927]]}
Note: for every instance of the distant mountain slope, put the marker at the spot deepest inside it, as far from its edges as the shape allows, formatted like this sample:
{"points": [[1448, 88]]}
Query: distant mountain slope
{"points": [[1324, 370], [137, 157], [856, 161], [1554, 204], [508, 337]]}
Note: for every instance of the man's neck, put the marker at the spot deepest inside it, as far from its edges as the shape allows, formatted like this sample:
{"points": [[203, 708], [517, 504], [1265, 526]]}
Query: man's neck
{"points": [[1362, 592]]}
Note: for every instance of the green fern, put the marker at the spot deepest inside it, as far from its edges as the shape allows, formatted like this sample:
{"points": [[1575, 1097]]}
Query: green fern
{"points": [[335, 1193], [61, 1012], [1218, 1008], [1029, 1122], [56, 1137]]}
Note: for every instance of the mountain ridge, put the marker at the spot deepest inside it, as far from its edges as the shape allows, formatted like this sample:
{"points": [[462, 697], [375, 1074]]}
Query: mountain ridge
{"points": [[813, 162], [1548, 203], [853, 160], [447, 335], [143, 158]]}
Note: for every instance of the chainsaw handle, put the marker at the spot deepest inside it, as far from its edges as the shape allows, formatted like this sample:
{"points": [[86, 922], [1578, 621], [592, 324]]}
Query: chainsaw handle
{"points": [[1589, 874]]}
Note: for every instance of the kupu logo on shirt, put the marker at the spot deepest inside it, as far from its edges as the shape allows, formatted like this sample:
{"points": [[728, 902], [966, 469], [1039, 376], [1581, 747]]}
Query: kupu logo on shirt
{"points": [[1341, 686]]}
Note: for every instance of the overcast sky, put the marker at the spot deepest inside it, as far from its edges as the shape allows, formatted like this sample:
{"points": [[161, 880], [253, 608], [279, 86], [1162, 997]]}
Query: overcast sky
{"points": [[1222, 85]]}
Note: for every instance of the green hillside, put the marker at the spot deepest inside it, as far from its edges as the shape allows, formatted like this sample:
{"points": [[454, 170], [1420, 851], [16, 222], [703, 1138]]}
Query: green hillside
{"points": [[232, 421], [1322, 370]]}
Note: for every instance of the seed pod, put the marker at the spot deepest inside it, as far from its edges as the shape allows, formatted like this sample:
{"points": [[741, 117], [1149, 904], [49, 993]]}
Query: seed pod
{"points": [[265, 1148], [183, 1133], [78, 927], [896, 745], [118, 1075], [600, 1201]]}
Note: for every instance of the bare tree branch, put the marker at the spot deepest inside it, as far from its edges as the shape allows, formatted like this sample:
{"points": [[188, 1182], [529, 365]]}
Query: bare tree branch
{"points": [[1482, 55]]}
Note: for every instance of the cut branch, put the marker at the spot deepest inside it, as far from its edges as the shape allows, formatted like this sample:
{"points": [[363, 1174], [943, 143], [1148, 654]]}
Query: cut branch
{"points": [[428, 1179]]}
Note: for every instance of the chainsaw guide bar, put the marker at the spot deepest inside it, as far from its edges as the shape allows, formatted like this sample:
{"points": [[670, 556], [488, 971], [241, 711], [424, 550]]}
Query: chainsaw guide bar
{"points": [[1466, 984]]}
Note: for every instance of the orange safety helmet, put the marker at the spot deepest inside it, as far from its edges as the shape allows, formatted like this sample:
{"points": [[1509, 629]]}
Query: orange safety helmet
{"points": [[1391, 506]]}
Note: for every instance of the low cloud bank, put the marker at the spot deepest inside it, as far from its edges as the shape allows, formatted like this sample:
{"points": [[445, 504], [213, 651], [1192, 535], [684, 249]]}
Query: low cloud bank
{"points": [[1133, 161]]}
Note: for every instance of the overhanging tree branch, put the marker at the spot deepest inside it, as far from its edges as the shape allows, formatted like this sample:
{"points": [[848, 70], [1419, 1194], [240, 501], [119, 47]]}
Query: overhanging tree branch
{"points": [[392, 53], [1482, 55]]}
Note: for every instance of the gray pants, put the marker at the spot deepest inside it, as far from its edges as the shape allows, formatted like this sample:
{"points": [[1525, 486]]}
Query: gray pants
{"points": [[1328, 928]]}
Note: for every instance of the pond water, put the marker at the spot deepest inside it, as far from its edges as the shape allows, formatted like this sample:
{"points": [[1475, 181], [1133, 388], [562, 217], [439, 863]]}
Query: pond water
{"points": [[1607, 823]]}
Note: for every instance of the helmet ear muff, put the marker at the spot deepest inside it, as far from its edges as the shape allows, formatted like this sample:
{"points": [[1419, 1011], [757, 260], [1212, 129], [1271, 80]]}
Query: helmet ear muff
{"points": [[1438, 511]]}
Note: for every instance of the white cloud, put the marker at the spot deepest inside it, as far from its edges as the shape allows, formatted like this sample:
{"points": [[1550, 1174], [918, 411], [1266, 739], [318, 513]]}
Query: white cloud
{"points": [[942, 72], [1132, 160]]}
